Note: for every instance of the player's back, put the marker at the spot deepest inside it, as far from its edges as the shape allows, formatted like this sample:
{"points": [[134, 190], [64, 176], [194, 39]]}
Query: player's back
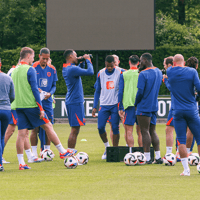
{"points": [[182, 81], [151, 79], [74, 85]]}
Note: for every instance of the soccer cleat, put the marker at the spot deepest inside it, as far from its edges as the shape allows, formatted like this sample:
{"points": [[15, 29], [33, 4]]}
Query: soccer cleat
{"points": [[185, 173], [104, 155], [178, 159], [67, 153], [1, 169], [22, 167], [4, 162], [35, 160], [158, 161], [149, 162]]}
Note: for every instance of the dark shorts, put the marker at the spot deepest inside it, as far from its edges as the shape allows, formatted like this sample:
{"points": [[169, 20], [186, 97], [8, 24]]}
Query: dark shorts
{"points": [[153, 115], [13, 119], [76, 114], [170, 119], [29, 118], [130, 116]]}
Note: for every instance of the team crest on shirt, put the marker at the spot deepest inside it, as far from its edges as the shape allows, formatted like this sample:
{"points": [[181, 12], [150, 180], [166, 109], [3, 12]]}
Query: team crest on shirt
{"points": [[43, 82], [48, 74], [110, 85]]}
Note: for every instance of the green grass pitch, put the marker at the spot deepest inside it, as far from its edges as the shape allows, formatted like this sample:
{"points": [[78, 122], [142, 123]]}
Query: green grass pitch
{"points": [[98, 179]]}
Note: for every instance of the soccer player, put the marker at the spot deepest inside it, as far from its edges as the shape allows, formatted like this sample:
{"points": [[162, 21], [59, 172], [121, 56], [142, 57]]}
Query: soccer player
{"points": [[168, 62], [74, 97], [7, 95], [13, 122], [127, 93], [193, 63], [107, 91], [182, 81], [46, 80], [149, 81], [28, 106]]}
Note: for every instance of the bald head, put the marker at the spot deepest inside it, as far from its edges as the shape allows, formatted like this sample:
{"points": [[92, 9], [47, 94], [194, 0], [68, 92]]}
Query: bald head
{"points": [[178, 60], [116, 58]]}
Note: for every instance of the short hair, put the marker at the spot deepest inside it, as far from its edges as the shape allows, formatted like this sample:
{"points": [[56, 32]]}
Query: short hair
{"points": [[25, 51], [147, 56], [67, 53], [169, 60], [109, 59], [45, 51], [134, 59], [115, 56], [192, 62]]}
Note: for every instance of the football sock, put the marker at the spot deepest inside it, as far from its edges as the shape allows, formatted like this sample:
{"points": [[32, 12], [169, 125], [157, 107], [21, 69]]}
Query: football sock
{"points": [[106, 144], [157, 153], [21, 159], [168, 149], [29, 154], [60, 148], [34, 150], [188, 150], [185, 163], [46, 147], [147, 155]]}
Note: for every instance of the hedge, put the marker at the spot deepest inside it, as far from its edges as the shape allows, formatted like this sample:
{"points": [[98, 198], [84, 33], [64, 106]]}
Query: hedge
{"points": [[10, 57]]}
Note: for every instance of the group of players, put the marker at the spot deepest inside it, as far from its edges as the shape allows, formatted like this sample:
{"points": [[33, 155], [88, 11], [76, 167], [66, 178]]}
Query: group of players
{"points": [[127, 94]]}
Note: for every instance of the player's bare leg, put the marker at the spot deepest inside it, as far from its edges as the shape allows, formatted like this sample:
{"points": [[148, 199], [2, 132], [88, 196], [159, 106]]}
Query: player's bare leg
{"points": [[34, 140], [73, 136], [111, 132], [129, 135], [116, 140], [169, 138], [139, 135], [189, 140], [9, 132]]}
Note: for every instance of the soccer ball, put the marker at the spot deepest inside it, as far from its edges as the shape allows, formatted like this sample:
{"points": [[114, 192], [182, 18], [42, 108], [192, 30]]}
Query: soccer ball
{"points": [[193, 159], [47, 154], [130, 159], [169, 159], [71, 162], [198, 168], [141, 159], [83, 158]]}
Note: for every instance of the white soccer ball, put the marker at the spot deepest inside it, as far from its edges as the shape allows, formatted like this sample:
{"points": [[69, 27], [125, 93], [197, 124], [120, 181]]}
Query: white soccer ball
{"points": [[141, 159], [198, 168], [193, 159], [169, 159], [71, 162], [47, 154], [83, 158], [130, 159]]}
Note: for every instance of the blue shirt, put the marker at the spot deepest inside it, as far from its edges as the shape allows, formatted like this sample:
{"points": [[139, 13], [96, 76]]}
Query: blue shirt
{"points": [[182, 81], [169, 88], [72, 75], [7, 92], [149, 82], [46, 80]]}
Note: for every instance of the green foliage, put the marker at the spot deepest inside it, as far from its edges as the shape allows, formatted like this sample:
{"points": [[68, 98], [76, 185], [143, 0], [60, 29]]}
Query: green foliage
{"points": [[168, 31], [21, 23]]}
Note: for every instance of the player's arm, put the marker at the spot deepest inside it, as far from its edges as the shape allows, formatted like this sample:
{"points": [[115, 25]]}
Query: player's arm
{"points": [[141, 86], [82, 65], [167, 83], [32, 79], [196, 81], [12, 91], [77, 71], [96, 95], [53, 88], [120, 93]]}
